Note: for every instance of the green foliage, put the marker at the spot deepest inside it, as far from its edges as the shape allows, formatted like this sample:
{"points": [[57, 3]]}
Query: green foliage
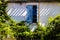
{"points": [[55, 29], [13, 29], [22, 23], [5, 21]]}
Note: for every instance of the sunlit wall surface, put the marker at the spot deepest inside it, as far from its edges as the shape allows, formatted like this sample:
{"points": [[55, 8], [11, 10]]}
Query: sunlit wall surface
{"points": [[18, 12], [48, 10]]}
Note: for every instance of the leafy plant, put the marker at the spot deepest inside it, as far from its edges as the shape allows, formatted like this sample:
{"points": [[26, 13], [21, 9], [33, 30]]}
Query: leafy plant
{"points": [[55, 29]]}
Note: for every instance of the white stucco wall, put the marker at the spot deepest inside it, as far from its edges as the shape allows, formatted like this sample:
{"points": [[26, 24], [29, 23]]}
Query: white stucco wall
{"points": [[15, 10], [45, 10], [48, 10]]}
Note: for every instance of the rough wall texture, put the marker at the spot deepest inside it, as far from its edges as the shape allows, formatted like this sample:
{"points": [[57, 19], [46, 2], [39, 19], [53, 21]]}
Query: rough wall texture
{"points": [[48, 10], [18, 11]]}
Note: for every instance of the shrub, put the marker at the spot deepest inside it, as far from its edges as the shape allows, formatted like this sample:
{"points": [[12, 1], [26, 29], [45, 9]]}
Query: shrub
{"points": [[55, 29]]}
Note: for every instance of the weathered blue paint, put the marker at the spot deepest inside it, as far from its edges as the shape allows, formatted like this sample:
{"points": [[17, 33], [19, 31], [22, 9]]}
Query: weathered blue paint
{"points": [[29, 13]]}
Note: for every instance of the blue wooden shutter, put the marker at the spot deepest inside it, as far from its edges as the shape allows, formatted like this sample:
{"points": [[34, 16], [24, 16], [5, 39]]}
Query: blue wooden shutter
{"points": [[29, 13]]}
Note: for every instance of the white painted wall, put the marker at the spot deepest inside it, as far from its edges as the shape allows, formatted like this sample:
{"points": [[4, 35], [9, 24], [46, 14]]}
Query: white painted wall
{"points": [[15, 10], [46, 10]]}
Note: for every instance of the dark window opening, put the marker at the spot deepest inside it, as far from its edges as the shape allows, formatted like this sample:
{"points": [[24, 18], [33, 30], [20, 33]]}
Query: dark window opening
{"points": [[34, 13]]}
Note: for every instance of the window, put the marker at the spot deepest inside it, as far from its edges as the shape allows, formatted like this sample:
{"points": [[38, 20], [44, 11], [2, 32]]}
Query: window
{"points": [[31, 13], [34, 13]]}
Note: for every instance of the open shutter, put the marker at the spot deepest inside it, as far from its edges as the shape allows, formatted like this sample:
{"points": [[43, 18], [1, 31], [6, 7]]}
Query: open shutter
{"points": [[29, 13]]}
